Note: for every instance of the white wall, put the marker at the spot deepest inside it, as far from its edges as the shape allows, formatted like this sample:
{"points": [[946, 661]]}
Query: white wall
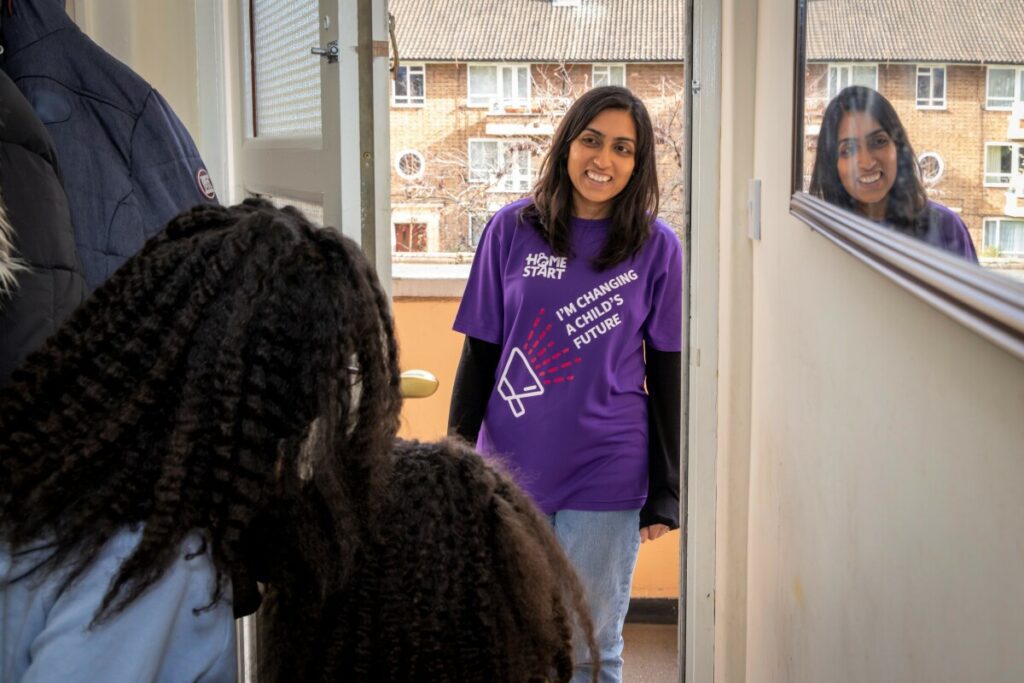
{"points": [[886, 482], [156, 38]]}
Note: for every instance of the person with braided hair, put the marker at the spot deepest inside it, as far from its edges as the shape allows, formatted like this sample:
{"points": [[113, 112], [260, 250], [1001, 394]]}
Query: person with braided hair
{"points": [[462, 580], [219, 412]]}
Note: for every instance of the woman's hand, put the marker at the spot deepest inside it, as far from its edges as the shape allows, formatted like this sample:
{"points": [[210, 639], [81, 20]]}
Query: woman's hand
{"points": [[652, 532]]}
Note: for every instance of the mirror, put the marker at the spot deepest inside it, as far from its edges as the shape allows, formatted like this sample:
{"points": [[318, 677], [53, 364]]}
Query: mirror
{"points": [[914, 117]]}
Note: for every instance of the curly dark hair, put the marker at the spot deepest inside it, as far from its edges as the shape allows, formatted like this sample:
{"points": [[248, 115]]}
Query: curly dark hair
{"points": [[209, 385], [906, 210], [462, 581], [633, 210]]}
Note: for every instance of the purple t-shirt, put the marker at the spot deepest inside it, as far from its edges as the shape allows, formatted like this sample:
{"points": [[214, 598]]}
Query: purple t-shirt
{"points": [[568, 413], [946, 230]]}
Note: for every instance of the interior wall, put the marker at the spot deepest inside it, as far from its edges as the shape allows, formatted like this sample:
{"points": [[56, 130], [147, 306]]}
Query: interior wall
{"points": [[156, 39], [886, 509], [739, 41]]}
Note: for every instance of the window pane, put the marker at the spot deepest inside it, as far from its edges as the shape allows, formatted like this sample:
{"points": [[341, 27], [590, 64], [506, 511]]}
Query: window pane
{"points": [[416, 85], [1011, 238], [923, 86], [990, 234], [483, 84], [286, 87], [1000, 87], [998, 161], [939, 84], [524, 83], [401, 88], [865, 75]]}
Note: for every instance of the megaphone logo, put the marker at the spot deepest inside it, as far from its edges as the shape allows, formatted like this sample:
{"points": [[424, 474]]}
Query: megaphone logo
{"points": [[518, 381]]}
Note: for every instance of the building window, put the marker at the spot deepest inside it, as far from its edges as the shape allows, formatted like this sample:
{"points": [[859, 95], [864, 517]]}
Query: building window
{"points": [[477, 223], [1005, 85], [931, 87], [609, 74], [410, 164], [410, 237], [506, 165], [1002, 161], [409, 89], [1004, 235], [502, 88], [843, 75], [931, 167]]}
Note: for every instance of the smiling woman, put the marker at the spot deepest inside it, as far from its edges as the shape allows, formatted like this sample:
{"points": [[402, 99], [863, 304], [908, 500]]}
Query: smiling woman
{"points": [[865, 163]]}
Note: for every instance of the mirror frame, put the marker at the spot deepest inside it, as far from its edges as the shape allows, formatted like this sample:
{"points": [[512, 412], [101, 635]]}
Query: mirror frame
{"points": [[991, 305]]}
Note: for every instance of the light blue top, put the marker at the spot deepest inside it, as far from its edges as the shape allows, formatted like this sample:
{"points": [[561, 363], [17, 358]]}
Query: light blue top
{"points": [[44, 634]]}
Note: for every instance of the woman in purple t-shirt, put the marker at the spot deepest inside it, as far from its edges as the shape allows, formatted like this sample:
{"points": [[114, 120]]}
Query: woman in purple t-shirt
{"points": [[865, 163], [570, 370]]}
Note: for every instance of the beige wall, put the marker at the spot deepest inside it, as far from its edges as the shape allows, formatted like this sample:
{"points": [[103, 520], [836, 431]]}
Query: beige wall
{"points": [[427, 342], [886, 487], [155, 38]]}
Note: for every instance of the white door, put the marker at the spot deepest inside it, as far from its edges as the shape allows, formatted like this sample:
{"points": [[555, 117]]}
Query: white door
{"points": [[313, 127]]}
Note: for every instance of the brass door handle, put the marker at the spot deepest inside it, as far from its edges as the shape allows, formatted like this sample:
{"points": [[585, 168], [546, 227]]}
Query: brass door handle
{"points": [[418, 384]]}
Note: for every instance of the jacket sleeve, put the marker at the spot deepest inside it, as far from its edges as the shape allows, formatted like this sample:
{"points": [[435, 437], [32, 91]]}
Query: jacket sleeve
{"points": [[474, 382], [664, 411], [168, 175]]}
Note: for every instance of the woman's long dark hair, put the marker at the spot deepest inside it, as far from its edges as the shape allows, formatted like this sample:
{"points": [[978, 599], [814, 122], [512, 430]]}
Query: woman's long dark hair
{"points": [[633, 210], [905, 210], [209, 385], [463, 581]]}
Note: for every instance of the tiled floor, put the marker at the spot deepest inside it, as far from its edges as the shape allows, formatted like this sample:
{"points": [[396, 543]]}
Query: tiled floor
{"points": [[650, 654]]}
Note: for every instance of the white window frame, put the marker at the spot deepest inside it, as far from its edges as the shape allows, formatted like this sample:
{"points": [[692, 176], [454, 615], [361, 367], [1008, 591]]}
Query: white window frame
{"points": [[1016, 150], [938, 160], [605, 70], [848, 67], [986, 241], [515, 181], [498, 100], [407, 100], [398, 164], [1018, 87], [929, 71]]}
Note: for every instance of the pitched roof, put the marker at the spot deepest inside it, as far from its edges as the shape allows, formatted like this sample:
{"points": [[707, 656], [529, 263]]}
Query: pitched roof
{"points": [[966, 31], [538, 31]]}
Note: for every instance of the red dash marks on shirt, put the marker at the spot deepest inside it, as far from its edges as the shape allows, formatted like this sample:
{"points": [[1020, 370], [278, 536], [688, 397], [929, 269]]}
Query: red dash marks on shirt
{"points": [[542, 351], [555, 357], [540, 337]]}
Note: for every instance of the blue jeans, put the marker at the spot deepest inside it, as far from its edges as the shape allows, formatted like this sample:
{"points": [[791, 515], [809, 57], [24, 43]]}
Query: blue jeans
{"points": [[602, 546]]}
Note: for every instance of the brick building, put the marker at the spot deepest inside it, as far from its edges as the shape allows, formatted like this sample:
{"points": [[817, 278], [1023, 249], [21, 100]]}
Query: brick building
{"points": [[954, 71], [482, 84]]}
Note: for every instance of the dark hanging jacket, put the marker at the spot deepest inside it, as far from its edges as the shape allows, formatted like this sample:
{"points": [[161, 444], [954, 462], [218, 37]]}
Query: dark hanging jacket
{"points": [[129, 164], [37, 244]]}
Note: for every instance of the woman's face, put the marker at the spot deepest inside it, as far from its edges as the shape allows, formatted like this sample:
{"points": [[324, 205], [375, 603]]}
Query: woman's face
{"points": [[866, 162], [601, 161]]}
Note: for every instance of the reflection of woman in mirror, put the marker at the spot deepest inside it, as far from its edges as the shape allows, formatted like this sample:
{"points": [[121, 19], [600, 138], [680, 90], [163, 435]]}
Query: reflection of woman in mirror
{"points": [[865, 163]]}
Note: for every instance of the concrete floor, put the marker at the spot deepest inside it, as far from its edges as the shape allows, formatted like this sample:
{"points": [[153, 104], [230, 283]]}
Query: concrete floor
{"points": [[650, 654]]}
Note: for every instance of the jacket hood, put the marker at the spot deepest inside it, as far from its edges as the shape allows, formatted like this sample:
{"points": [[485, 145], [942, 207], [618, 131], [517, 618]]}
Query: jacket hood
{"points": [[26, 21], [9, 263]]}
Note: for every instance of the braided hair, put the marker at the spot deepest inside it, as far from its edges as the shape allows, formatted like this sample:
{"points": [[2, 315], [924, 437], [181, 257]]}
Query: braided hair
{"points": [[463, 581], [238, 374]]}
